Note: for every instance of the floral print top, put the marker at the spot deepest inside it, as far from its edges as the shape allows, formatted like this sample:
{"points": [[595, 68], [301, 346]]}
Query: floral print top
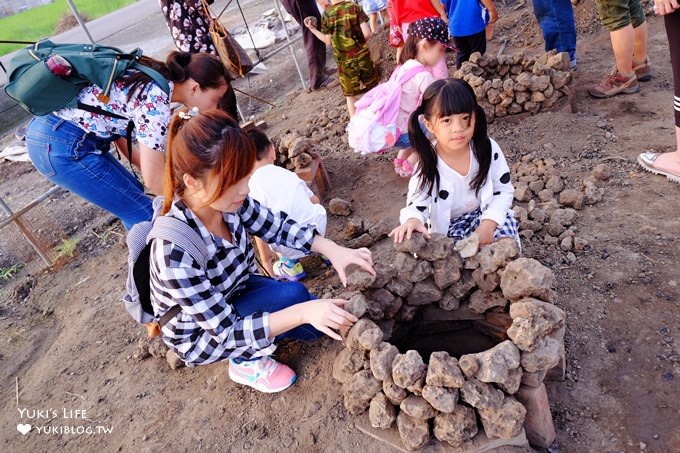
{"points": [[149, 110]]}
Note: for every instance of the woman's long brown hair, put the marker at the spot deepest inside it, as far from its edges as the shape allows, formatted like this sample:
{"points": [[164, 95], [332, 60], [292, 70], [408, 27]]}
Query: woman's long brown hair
{"points": [[209, 143]]}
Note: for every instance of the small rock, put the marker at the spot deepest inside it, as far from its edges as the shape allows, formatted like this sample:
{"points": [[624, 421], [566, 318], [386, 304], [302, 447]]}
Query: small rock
{"points": [[443, 371], [359, 391], [364, 335], [173, 360], [338, 206], [526, 277], [468, 247], [572, 198], [414, 433], [417, 407], [456, 428], [504, 422], [442, 399], [358, 278], [347, 362], [354, 228], [408, 368], [381, 413], [381, 359]]}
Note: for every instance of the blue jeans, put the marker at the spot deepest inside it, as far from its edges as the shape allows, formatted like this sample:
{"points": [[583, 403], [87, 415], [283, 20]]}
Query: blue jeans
{"points": [[556, 19], [268, 295], [81, 163]]}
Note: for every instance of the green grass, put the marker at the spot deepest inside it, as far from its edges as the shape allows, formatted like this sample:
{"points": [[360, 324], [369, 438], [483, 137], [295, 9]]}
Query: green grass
{"points": [[40, 22], [67, 248], [7, 273]]}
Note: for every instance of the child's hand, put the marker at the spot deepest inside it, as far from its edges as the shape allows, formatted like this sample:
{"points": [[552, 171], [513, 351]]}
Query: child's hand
{"points": [[327, 315], [486, 230], [343, 257], [405, 230], [310, 22]]}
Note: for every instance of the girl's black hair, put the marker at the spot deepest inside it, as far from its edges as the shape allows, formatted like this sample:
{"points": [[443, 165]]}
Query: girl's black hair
{"points": [[444, 98], [410, 50], [206, 69]]}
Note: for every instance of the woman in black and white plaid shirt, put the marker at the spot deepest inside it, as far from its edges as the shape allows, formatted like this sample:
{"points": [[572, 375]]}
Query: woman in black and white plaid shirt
{"points": [[227, 311]]}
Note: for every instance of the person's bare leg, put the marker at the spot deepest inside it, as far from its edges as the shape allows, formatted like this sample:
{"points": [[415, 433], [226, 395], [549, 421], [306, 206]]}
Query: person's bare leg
{"points": [[622, 44], [373, 22], [351, 100], [640, 44]]}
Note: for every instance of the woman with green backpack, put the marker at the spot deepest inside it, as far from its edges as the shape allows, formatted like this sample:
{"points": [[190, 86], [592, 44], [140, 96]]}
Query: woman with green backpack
{"points": [[71, 147]]}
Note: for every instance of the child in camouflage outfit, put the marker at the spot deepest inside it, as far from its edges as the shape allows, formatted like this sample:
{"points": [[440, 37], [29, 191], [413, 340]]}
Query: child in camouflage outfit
{"points": [[344, 26]]}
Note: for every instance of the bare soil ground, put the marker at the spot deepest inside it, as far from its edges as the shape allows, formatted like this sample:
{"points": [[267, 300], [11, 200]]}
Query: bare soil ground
{"points": [[68, 343]]}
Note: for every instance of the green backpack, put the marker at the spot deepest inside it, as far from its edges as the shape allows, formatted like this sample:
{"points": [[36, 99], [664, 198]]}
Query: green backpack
{"points": [[39, 90]]}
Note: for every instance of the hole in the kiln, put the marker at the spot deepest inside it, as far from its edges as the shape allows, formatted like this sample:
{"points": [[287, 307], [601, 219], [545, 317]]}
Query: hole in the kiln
{"points": [[455, 332]]}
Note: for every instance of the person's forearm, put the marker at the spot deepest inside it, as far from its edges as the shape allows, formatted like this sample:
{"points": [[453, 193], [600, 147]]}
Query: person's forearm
{"points": [[323, 246], [439, 7], [284, 320], [325, 38], [489, 5]]}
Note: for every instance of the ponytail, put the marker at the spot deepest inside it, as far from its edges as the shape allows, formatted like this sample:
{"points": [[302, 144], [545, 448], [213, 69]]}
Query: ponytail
{"points": [[428, 174], [481, 147], [206, 69]]}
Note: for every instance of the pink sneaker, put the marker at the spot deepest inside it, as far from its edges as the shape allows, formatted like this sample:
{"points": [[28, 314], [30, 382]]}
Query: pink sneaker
{"points": [[266, 374]]}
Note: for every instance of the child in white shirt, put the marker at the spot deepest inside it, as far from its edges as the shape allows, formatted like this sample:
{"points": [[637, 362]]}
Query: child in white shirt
{"points": [[282, 190]]}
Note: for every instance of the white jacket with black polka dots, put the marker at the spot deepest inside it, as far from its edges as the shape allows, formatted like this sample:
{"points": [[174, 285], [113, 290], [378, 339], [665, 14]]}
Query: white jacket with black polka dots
{"points": [[495, 196]]}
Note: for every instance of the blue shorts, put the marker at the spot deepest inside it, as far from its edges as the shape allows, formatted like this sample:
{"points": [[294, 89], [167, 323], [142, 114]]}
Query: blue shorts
{"points": [[373, 6]]}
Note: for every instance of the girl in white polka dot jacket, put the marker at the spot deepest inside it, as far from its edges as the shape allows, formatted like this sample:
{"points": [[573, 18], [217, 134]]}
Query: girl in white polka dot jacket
{"points": [[461, 182]]}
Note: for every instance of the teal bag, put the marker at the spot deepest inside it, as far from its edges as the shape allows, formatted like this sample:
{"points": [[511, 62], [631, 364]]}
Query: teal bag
{"points": [[37, 89]]}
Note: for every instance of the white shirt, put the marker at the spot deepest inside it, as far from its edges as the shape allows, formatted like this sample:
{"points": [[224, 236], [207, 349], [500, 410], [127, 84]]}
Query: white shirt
{"points": [[466, 199], [282, 190]]}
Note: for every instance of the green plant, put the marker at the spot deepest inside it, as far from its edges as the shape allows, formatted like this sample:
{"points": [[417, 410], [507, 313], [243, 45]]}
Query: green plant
{"points": [[66, 248], [7, 273], [39, 22]]}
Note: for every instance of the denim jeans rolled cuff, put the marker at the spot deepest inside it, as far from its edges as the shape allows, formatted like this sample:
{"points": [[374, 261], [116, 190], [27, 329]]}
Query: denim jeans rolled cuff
{"points": [[267, 295], [556, 19], [617, 14], [81, 163]]}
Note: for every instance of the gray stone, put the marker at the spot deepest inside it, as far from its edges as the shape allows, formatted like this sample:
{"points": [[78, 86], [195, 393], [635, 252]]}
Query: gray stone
{"points": [[408, 368], [504, 422], [358, 278], [381, 413], [572, 198], [354, 228], [546, 355], [526, 277], [481, 301], [379, 230], [448, 302], [442, 399], [357, 305], [493, 365], [365, 335], [463, 287], [359, 391], [421, 271], [456, 428], [481, 395], [393, 392], [338, 206], [523, 193], [447, 271], [468, 247], [411, 246], [399, 286], [495, 256], [514, 380], [423, 293], [417, 407], [438, 247], [174, 360], [414, 433], [486, 282], [348, 362], [443, 371], [365, 240], [545, 195], [532, 320], [564, 217], [383, 274], [381, 359], [404, 264]]}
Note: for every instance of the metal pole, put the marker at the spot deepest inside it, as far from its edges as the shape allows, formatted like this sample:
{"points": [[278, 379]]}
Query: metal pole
{"points": [[80, 20], [292, 51], [28, 234]]}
